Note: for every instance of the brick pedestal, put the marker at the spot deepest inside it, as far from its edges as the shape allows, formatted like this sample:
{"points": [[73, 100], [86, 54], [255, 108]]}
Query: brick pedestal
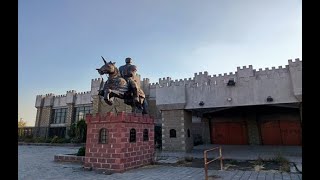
{"points": [[112, 150]]}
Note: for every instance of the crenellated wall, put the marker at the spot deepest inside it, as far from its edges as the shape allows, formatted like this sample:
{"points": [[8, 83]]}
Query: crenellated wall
{"points": [[295, 69], [252, 87], [45, 105], [170, 101]]}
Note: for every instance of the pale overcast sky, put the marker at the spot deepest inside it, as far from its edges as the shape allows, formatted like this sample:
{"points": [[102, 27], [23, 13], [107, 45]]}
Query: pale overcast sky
{"points": [[60, 42]]}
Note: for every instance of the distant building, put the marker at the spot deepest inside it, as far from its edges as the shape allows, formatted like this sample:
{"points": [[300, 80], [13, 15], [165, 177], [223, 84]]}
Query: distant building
{"points": [[260, 107]]}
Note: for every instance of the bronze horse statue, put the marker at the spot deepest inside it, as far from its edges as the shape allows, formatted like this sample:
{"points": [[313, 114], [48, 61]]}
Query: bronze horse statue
{"points": [[117, 86]]}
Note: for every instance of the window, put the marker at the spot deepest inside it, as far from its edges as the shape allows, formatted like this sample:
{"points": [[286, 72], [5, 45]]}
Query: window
{"points": [[59, 115], [145, 135], [188, 132], [80, 112], [103, 136], [132, 135], [173, 133]]}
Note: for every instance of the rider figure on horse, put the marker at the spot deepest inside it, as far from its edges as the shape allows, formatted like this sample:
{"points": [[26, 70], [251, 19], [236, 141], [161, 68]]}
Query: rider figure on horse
{"points": [[124, 85], [128, 72]]}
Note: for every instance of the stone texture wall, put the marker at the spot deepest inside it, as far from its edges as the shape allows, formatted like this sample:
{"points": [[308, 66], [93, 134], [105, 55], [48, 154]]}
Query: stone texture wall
{"points": [[45, 117], [203, 129], [180, 121], [154, 111], [38, 116], [95, 104], [188, 126], [253, 130], [206, 131], [118, 154], [70, 112]]}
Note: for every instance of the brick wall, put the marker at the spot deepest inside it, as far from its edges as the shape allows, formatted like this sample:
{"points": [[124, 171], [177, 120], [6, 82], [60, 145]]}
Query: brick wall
{"points": [[118, 154]]}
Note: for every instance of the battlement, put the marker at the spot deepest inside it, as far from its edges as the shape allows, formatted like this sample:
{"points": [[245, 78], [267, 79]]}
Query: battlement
{"points": [[96, 79], [244, 68], [119, 117], [296, 63], [154, 85], [86, 92], [203, 78], [205, 73], [50, 94], [297, 60], [164, 81], [72, 91], [58, 96]]}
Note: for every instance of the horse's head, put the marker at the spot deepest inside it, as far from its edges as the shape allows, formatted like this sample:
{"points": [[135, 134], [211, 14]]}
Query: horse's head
{"points": [[107, 68]]}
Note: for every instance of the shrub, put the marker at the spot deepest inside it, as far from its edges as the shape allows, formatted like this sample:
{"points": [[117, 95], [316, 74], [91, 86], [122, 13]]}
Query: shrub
{"points": [[48, 140], [54, 139], [81, 151], [78, 132], [39, 140]]}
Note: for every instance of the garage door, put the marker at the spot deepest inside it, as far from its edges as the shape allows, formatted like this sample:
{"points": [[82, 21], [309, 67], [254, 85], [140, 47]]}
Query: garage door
{"points": [[281, 132], [229, 133]]}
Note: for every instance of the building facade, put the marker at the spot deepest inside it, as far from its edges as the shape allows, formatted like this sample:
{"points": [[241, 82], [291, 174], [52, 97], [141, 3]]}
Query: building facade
{"points": [[259, 107]]}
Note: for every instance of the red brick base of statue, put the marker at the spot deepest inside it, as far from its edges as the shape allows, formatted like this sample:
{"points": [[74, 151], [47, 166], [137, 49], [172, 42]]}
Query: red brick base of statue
{"points": [[119, 142]]}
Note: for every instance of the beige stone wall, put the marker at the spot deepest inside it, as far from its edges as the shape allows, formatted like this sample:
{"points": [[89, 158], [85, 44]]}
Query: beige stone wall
{"points": [[206, 131], [188, 125], [38, 116], [203, 129], [70, 112], [179, 120], [253, 130], [95, 104], [154, 111], [45, 116]]}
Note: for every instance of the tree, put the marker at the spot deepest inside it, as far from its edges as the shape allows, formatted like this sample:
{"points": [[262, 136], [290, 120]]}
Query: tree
{"points": [[21, 123], [78, 131]]}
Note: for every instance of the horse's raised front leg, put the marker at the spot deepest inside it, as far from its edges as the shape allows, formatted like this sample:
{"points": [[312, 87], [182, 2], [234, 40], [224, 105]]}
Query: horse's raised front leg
{"points": [[107, 97]]}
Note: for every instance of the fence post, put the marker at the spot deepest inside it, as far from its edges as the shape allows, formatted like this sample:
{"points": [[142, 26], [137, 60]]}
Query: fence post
{"points": [[205, 165]]}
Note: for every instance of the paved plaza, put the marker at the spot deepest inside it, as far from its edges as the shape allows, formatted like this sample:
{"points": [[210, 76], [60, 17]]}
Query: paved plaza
{"points": [[36, 162]]}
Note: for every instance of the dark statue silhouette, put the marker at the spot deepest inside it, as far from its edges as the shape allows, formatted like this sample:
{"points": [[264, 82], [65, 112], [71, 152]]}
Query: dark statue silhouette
{"points": [[126, 88]]}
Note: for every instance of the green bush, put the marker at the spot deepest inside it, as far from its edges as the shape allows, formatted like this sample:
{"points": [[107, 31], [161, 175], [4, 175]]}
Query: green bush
{"points": [[75, 140], [39, 140], [82, 130], [81, 151], [28, 140], [72, 130], [66, 140], [54, 139], [78, 132], [48, 140]]}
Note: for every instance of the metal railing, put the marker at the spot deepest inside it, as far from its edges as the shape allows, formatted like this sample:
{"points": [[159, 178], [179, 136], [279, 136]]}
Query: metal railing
{"points": [[206, 162], [44, 132]]}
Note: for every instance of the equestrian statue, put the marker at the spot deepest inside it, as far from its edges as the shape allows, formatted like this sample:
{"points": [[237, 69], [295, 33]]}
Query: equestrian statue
{"points": [[123, 83]]}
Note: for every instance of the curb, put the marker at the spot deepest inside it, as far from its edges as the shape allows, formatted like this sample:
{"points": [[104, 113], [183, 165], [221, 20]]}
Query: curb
{"points": [[51, 144]]}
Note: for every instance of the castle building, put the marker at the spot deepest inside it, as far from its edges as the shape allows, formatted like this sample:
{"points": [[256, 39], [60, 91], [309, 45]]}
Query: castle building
{"points": [[249, 107]]}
